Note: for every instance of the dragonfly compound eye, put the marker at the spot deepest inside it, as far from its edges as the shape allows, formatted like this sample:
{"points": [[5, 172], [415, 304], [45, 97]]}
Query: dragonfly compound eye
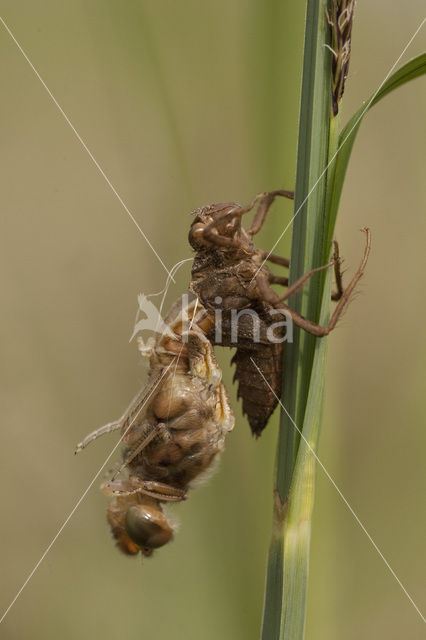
{"points": [[148, 526]]}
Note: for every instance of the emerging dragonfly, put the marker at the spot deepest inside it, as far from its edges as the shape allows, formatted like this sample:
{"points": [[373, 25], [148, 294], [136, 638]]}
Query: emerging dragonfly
{"points": [[173, 431], [176, 426]]}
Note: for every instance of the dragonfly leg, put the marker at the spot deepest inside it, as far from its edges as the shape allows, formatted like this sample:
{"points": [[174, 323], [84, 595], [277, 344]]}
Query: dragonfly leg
{"points": [[151, 432], [132, 486], [263, 208], [107, 428], [307, 325], [281, 280]]}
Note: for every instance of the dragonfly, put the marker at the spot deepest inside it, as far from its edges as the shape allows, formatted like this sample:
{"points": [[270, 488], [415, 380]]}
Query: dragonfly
{"points": [[173, 431]]}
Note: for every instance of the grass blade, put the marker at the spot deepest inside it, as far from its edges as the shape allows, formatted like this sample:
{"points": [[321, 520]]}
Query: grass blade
{"points": [[413, 69], [322, 160], [284, 613]]}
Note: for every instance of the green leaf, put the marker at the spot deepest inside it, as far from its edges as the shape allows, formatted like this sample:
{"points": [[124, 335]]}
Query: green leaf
{"points": [[288, 562], [308, 226], [322, 160], [298, 524], [413, 69]]}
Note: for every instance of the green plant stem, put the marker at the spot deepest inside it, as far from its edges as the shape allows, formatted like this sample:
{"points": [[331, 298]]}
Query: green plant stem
{"points": [[322, 160], [308, 228], [289, 550]]}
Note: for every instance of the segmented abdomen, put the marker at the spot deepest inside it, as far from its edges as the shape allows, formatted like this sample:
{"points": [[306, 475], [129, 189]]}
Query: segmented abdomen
{"points": [[255, 363], [254, 348]]}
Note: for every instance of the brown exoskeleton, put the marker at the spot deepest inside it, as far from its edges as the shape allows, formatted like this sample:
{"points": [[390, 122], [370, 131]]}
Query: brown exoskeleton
{"points": [[228, 269], [176, 426], [173, 430]]}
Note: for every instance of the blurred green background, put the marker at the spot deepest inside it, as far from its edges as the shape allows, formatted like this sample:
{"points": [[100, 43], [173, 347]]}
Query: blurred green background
{"points": [[183, 104]]}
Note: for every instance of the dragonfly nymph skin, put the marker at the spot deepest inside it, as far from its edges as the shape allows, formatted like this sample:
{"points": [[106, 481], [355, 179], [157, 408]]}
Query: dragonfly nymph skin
{"points": [[230, 270]]}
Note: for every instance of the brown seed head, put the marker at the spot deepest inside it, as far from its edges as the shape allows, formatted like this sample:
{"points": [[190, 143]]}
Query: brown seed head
{"points": [[340, 20]]}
